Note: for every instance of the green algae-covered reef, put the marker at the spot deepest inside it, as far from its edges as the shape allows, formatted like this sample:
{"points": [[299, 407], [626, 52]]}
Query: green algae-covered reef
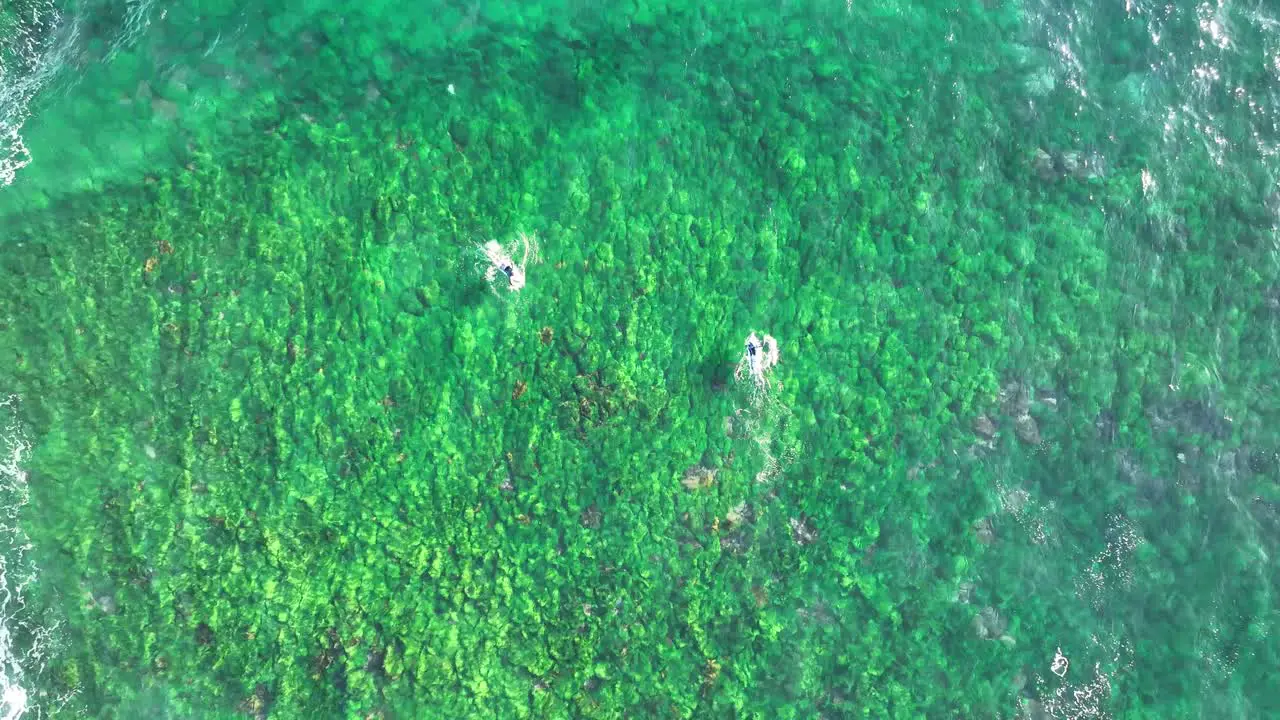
{"points": [[293, 459]]}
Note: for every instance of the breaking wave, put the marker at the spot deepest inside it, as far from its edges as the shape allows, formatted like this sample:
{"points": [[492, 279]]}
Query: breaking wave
{"points": [[35, 42], [25, 639], [42, 43]]}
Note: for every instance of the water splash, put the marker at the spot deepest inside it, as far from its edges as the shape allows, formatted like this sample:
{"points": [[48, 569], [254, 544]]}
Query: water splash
{"points": [[28, 638], [508, 262], [764, 414], [757, 362], [22, 643]]}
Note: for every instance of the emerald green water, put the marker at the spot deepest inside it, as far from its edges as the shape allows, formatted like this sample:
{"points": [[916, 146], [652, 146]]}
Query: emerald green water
{"points": [[272, 446]]}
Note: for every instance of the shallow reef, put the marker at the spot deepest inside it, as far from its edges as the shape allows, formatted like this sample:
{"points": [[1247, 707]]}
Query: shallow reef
{"points": [[292, 457]]}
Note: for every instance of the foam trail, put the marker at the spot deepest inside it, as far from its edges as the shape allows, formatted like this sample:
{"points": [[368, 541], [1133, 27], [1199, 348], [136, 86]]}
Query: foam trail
{"points": [[25, 640], [13, 575], [764, 414]]}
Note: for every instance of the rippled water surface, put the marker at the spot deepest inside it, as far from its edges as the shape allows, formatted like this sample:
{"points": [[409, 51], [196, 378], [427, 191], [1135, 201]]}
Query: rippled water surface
{"points": [[547, 360]]}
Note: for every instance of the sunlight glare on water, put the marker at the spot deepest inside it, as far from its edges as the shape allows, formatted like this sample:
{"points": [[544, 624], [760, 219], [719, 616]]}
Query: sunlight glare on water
{"points": [[1200, 89]]}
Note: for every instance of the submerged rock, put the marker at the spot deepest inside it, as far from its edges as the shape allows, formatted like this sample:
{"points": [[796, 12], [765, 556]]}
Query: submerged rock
{"points": [[1082, 166], [1136, 90], [802, 531], [698, 478], [741, 514], [984, 426], [984, 531], [1019, 681], [1015, 500], [1071, 164], [1033, 710], [1027, 429], [106, 604], [735, 543], [1023, 55], [1042, 162], [989, 623], [1014, 398], [1040, 82]]}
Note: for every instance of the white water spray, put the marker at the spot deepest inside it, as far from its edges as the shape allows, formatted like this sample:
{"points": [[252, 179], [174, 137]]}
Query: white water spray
{"points": [[764, 416], [37, 47], [26, 639], [32, 50], [15, 572]]}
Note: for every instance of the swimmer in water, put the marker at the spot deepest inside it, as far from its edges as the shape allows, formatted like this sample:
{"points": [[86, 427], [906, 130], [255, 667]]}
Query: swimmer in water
{"points": [[760, 356], [500, 260]]}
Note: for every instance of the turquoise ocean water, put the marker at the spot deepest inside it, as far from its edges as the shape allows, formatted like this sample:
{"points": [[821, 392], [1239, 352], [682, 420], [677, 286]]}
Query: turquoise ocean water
{"points": [[278, 437]]}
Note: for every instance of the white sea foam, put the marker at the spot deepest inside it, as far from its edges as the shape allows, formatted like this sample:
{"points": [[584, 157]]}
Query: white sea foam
{"points": [[27, 637], [16, 571], [36, 48], [764, 415]]}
